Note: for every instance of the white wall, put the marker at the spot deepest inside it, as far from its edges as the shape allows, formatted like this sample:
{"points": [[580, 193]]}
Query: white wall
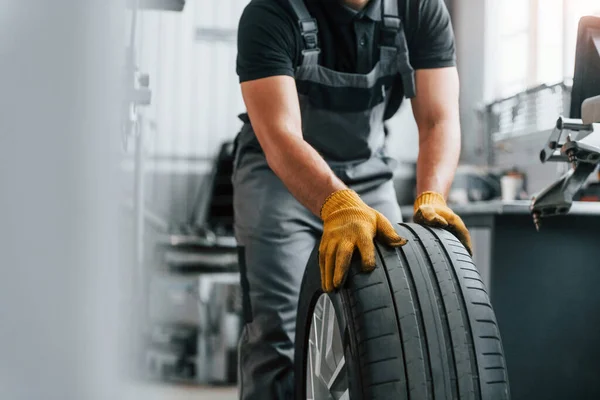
{"points": [[196, 97]]}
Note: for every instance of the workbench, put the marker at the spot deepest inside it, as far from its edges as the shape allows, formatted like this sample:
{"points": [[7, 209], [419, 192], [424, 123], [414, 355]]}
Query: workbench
{"points": [[545, 289]]}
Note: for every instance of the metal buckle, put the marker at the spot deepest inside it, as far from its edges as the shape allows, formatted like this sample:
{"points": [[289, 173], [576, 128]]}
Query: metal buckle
{"points": [[308, 25], [392, 23], [391, 26], [309, 31]]}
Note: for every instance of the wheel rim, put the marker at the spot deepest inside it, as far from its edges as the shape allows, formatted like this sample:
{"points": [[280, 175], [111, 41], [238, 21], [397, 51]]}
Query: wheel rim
{"points": [[326, 369]]}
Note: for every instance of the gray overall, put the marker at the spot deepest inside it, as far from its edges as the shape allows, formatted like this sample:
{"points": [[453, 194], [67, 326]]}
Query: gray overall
{"points": [[342, 118]]}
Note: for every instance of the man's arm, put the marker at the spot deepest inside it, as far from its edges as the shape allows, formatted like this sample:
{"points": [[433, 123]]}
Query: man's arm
{"points": [[272, 105], [436, 110]]}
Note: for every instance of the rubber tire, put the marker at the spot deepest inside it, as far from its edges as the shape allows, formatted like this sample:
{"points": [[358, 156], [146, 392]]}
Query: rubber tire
{"points": [[420, 326]]}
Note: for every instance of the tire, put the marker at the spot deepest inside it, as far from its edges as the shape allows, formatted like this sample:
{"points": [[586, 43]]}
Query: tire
{"points": [[420, 326]]}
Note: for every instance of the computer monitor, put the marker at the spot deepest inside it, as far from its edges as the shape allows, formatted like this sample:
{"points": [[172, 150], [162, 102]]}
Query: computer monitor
{"points": [[586, 80]]}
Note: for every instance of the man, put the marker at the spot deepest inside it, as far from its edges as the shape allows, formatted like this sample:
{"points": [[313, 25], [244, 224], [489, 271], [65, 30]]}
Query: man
{"points": [[319, 78]]}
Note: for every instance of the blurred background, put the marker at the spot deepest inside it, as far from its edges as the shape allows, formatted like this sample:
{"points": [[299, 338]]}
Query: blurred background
{"points": [[120, 276]]}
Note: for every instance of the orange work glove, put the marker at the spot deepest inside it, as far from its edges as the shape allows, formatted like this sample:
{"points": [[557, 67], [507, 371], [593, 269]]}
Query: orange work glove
{"points": [[349, 224], [431, 210]]}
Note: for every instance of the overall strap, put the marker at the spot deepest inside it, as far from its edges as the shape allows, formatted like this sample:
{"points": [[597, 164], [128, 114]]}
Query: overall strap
{"points": [[309, 32], [393, 42]]}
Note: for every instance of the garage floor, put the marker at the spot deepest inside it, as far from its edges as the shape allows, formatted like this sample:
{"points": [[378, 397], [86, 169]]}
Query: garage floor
{"points": [[156, 391]]}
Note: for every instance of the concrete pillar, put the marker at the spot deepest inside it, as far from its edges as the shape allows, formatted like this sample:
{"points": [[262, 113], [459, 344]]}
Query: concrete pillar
{"points": [[59, 132]]}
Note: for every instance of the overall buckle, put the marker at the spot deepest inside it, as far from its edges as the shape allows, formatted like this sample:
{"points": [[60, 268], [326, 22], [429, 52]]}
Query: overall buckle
{"points": [[309, 31]]}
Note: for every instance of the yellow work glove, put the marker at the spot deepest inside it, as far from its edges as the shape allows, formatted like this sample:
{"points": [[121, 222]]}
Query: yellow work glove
{"points": [[431, 210], [350, 224]]}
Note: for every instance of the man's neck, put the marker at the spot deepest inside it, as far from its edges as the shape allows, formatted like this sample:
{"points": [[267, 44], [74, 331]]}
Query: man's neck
{"points": [[356, 4]]}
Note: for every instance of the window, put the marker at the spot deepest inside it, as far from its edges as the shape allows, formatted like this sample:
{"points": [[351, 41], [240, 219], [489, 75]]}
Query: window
{"points": [[513, 45], [535, 41]]}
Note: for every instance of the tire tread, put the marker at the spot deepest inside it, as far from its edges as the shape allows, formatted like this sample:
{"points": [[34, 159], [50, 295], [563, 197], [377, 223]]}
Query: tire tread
{"points": [[420, 326]]}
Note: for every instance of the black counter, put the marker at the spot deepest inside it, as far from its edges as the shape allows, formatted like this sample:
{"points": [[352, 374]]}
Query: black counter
{"points": [[545, 288]]}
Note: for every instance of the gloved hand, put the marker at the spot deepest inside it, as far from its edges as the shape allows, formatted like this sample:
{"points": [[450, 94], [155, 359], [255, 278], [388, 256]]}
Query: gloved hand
{"points": [[349, 224], [431, 210]]}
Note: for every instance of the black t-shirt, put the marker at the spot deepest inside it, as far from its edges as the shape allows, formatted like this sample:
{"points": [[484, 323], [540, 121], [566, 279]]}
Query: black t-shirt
{"points": [[270, 44]]}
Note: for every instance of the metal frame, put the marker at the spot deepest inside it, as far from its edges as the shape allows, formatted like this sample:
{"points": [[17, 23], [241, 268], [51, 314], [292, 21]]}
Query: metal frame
{"points": [[522, 114], [574, 142]]}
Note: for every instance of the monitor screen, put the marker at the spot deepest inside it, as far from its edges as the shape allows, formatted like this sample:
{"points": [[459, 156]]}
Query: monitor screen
{"points": [[586, 79]]}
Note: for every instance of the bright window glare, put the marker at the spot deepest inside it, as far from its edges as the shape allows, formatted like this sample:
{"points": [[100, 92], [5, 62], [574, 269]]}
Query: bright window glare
{"points": [[550, 63], [537, 47], [513, 59], [514, 15], [513, 46]]}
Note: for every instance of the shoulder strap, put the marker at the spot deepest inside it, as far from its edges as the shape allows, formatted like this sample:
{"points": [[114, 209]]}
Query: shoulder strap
{"points": [[391, 22], [393, 41], [309, 31]]}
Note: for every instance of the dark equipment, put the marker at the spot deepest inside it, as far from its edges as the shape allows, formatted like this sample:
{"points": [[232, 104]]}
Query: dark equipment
{"points": [[586, 79], [206, 241], [575, 140], [544, 289], [219, 213]]}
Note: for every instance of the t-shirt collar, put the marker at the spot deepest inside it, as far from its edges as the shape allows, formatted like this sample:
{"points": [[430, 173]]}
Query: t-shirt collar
{"points": [[345, 15]]}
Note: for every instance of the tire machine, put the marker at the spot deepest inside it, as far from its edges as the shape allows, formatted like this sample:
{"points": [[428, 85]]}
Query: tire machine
{"points": [[575, 140]]}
